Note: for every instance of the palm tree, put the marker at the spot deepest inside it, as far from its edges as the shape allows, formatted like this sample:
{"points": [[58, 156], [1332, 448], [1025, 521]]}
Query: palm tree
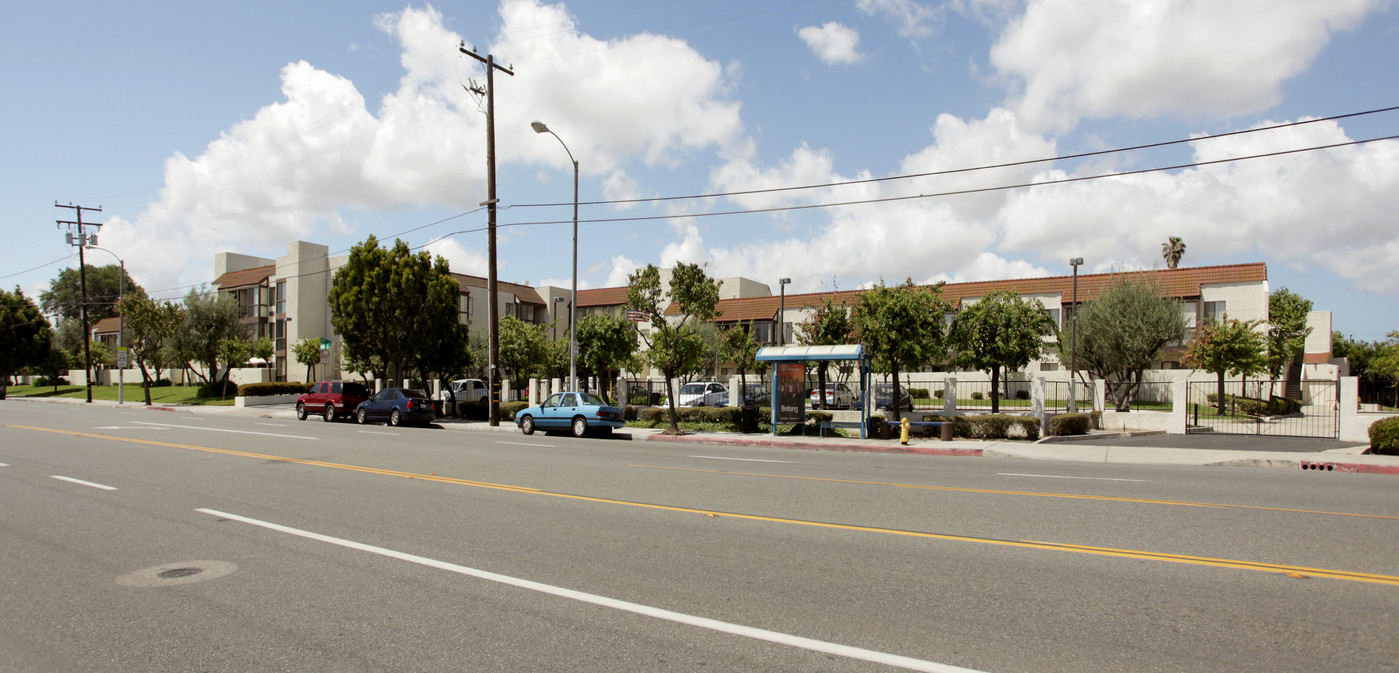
{"points": [[1173, 249]]}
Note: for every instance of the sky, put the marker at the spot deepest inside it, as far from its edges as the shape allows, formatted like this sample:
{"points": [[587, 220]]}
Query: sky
{"points": [[820, 135]]}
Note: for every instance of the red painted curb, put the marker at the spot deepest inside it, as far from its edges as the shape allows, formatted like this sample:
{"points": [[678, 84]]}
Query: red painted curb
{"points": [[1330, 466], [696, 439]]}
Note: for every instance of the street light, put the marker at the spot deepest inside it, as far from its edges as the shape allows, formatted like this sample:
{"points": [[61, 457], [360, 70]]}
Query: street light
{"points": [[121, 327], [1073, 336], [782, 312], [539, 127]]}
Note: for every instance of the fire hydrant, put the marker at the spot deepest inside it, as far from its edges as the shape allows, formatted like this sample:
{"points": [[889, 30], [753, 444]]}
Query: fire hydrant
{"points": [[903, 431]]}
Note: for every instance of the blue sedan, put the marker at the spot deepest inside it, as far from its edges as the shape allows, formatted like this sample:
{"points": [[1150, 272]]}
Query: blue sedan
{"points": [[396, 406], [580, 412]]}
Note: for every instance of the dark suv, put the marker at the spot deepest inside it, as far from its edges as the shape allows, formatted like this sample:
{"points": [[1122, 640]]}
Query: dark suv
{"points": [[331, 400]]}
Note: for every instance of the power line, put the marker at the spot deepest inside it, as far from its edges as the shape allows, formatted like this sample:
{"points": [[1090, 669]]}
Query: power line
{"points": [[955, 171]]}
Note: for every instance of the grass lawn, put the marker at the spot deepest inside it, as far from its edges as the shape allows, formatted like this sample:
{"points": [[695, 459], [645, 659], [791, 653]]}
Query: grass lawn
{"points": [[159, 395]]}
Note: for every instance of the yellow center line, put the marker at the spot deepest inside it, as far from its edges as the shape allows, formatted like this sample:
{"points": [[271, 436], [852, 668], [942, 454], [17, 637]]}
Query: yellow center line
{"points": [[1294, 571], [1036, 494]]}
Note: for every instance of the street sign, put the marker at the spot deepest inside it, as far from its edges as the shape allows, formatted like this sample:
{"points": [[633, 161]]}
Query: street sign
{"points": [[121, 358], [325, 344]]}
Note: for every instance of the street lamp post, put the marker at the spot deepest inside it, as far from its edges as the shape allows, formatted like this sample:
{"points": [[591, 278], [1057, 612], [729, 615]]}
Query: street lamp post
{"points": [[539, 127], [782, 312], [1073, 337], [121, 327]]}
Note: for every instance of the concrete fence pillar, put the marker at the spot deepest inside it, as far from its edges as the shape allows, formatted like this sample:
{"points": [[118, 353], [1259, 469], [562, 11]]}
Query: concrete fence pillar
{"points": [[1037, 404], [555, 385], [1180, 406], [735, 391], [378, 385], [1352, 429], [1100, 395], [506, 394], [949, 395], [534, 392]]}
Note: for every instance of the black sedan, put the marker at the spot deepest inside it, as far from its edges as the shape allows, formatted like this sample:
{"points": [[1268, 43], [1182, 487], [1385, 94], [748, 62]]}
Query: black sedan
{"points": [[883, 392], [396, 406]]}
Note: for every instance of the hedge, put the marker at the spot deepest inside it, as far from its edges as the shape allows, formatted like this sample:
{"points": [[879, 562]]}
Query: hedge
{"points": [[1273, 406], [264, 389], [997, 426], [1069, 424], [1384, 436]]}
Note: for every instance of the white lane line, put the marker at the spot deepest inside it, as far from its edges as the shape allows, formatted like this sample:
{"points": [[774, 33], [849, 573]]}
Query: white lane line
{"points": [[813, 645], [124, 427], [371, 432], [1060, 476], [4, 464], [273, 425], [746, 460], [240, 432], [83, 483], [546, 446]]}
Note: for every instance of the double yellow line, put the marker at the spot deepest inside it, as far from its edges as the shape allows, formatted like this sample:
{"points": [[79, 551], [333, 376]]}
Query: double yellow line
{"points": [[1289, 570]]}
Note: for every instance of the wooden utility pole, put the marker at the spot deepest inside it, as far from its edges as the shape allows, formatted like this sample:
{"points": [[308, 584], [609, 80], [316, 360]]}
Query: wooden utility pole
{"points": [[490, 205], [82, 241]]}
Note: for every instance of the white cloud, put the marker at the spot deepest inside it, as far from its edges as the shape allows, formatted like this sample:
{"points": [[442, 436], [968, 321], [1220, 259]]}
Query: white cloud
{"points": [[1108, 58], [459, 257], [313, 163], [913, 19], [832, 42]]}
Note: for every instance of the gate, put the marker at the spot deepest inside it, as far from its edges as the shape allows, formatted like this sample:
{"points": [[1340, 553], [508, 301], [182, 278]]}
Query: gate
{"points": [[1257, 408]]}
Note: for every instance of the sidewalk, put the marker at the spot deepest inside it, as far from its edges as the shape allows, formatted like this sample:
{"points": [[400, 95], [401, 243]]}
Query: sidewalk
{"points": [[1098, 448]]}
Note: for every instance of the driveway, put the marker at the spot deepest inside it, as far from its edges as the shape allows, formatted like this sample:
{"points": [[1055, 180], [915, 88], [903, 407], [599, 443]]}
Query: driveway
{"points": [[1224, 442]]}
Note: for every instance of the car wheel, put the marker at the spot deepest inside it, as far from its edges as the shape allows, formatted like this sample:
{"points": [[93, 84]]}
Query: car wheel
{"points": [[300, 411], [362, 417], [527, 425], [580, 427], [329, 414], [394, 418]]}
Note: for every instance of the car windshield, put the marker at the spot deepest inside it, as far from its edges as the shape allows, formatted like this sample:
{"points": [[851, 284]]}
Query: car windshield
{"points": [[589, 398], [692, 389]]}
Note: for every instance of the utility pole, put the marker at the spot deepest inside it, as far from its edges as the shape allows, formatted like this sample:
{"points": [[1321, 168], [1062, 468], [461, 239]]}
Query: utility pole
{"points": [[82, 241], [490, 205]]}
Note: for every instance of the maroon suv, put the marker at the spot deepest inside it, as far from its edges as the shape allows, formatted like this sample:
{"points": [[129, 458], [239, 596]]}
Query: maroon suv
{"points": [[331, 400]]}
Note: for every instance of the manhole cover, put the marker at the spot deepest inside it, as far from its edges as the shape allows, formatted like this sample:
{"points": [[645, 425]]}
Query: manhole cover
{"points": [[178, 572]]}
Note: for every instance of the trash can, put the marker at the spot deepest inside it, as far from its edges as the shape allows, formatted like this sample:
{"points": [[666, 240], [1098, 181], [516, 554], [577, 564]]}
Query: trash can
{"points": [[946, 429], [750, 419]]}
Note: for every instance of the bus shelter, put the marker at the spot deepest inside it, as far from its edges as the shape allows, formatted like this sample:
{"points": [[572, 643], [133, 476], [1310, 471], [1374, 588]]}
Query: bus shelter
{"points": [[789, 379]]}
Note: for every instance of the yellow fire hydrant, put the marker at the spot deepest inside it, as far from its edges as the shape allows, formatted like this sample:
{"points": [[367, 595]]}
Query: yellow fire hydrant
{"points": [[903, 431]]}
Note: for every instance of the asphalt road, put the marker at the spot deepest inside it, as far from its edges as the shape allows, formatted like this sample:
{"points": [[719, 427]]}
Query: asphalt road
{"points": [[335, 547], [1224, 442]]}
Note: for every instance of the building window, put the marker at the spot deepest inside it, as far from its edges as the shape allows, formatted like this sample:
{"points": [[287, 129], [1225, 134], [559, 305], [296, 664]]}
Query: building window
{"points": [[281, 297], [281, 336], [465, 308], [1214, 311], [1054, 314], [526, 312], [1188, 309], [762, 332]]}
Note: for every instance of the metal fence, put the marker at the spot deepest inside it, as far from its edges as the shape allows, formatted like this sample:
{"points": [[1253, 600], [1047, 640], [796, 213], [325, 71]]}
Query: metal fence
{"points": [[1248, 409]]}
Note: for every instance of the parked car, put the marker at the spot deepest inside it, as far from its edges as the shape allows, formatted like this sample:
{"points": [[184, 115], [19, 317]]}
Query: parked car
{"points": [[331, 400], [464, 390], [578, 411], [883, 392], [702, 394], [756, 394], [396, 406], [838, 395]]}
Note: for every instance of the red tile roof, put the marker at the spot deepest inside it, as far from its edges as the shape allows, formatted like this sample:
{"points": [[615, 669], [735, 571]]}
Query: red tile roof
{"points": [[602, 296], [1177, 283], [244, 278], [107, 326], [523, 292]]}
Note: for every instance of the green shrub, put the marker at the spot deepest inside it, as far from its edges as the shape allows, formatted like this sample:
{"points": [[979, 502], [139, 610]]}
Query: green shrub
{"points": [[212, 390], [1095, 419], [1069, 424], [161, 383], [937, 394], [509, 409], [1384, 436], [1022, 394], [480, 410], [977, 395], [918, 393], [44, 381], [653, 414], [272, 388], [628, 413]]}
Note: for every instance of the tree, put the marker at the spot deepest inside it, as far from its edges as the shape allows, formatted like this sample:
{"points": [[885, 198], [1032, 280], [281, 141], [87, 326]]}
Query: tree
{"points": [[1385, 363], [308, 352], [234, 352], [605, 343], [1173, 249], [742, 350], [1002, 330], [149, 325], [64, 298], [1230, 347], [1122, 332], [830, 325], [209, 319], [25, 335], [1287, 329], [673, 346], [902, 327], [522, 347], [391, 307]]}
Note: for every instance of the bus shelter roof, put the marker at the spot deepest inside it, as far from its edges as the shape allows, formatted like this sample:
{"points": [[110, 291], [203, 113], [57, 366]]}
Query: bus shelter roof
{"points": [[846, 352]]}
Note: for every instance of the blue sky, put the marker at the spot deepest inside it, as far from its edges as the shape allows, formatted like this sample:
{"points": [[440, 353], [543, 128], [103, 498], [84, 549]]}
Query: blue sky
{"points": [[209, 127]]}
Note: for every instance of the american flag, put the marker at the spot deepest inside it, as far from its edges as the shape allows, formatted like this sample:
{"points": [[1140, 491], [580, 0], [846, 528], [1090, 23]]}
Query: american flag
{"points": [[637, 316]]}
